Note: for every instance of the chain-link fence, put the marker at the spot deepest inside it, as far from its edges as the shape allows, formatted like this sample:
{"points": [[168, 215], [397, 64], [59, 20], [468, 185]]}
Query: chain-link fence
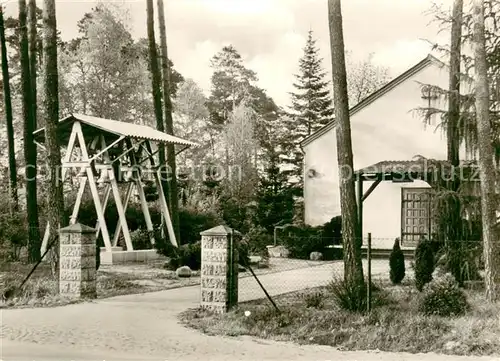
{"points": [[280, 273]]}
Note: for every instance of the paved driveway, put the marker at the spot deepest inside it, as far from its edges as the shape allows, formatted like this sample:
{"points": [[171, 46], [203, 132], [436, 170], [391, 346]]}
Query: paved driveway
{"points": [[145, 327]]}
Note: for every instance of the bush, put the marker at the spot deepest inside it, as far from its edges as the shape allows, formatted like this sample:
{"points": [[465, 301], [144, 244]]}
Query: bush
{"points": [[190, 254], [192, 223], [185, 255], [443, 297], [13, 235], [141, 239], [314, 300], [353, 297], [302, 240], [257, 240], [424, 263], [333, 230], [397, 263]]}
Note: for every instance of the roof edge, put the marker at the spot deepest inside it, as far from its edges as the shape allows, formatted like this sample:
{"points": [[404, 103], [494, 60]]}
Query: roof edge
{"points": [[377, 94]]}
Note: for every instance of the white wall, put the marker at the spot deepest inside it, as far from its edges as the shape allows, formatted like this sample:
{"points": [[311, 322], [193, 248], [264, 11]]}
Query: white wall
{"points": [[387, 129]]}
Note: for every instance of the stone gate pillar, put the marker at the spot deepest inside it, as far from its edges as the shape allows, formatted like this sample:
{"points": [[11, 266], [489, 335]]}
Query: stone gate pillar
{"points": [[219, 269], [77, 263]]}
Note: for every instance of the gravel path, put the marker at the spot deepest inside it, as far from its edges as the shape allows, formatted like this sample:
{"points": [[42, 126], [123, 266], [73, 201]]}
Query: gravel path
{"points": [[145, 327]]}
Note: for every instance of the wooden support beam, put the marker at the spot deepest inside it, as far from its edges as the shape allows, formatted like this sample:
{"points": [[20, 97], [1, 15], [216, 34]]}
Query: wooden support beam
{"points": [[360, 209], [105, 150], [182, 150], [67, 158], [93, 190], [107, 193], [142, 196], [40, 145], [145, 211], [118, 230], [78, 201], [117, 197], [371, 189], [163, 201], [130, 149]]}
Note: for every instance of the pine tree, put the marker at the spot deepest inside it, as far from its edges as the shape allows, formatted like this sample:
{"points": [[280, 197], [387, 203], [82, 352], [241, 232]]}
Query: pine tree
{"points": [[14, 200], [274, 195], [55, 214], [311, 102], [351, 237], [311, 105]]}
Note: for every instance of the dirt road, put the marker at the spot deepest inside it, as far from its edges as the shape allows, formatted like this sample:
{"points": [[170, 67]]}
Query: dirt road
{"points": [[145, 327]]}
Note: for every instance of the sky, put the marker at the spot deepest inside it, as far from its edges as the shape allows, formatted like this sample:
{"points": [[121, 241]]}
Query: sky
{"points": [[270, 34]]}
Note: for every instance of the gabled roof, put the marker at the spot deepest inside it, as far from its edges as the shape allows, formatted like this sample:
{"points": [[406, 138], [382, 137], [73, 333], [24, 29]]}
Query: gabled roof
{"points": [[429, 59], [113, 128], [388, 170]]}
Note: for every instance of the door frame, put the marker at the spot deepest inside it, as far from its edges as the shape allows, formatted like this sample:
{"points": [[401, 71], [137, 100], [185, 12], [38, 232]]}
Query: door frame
{"points": [[429, 211]]}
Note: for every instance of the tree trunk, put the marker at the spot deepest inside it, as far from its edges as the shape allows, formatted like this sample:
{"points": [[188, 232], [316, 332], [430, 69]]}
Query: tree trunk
{"points": [[454, 86], [14, 199], [353, 268], [173, 188], [485, 148], [51, 106], [454, 237], [33, 55], [156, 86], [30, 152]]}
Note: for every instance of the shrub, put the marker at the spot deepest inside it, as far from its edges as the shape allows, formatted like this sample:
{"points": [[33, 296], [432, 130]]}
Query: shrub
{"points": [[185, 255], [314, 300], [192, 222], [302, 240], [424, 263], [443, 297], [141, 239], [257, 240], [353, 297], [397, 263], [333, 230], [13, 234]]}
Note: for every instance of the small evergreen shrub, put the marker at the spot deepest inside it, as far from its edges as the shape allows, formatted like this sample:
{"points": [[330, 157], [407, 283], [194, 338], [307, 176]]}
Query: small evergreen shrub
{"points": [[397, 264], [443, 297], [424, 263]]}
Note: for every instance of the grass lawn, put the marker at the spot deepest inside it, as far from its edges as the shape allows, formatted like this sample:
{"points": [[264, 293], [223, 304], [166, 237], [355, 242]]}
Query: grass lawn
{"points": [[114, 280], [312, 317]]}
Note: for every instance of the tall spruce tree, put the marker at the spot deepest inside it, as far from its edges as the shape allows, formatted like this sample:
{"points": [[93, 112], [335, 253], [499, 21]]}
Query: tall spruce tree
{"points": [[311, 102], [312, 106]]}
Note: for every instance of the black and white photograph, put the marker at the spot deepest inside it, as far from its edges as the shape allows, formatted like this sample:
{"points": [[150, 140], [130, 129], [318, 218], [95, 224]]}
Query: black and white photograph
{"points": [[243, 180]]}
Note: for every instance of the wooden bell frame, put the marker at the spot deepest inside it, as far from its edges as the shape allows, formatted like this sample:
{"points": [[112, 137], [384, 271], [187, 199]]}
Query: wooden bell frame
{"points": [[94, 157]]}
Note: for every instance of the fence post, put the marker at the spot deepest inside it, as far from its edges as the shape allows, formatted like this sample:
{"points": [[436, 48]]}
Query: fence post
{"points": [[369, 286], [219, 269], [77, 263]]}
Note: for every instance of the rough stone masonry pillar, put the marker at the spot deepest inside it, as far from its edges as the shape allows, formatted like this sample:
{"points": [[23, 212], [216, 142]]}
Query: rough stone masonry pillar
{"points": [[219, 269], [77, 264]]}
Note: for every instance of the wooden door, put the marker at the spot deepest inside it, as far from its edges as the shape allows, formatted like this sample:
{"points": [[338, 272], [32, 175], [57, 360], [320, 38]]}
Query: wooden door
{"points": [[415, 215]]}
